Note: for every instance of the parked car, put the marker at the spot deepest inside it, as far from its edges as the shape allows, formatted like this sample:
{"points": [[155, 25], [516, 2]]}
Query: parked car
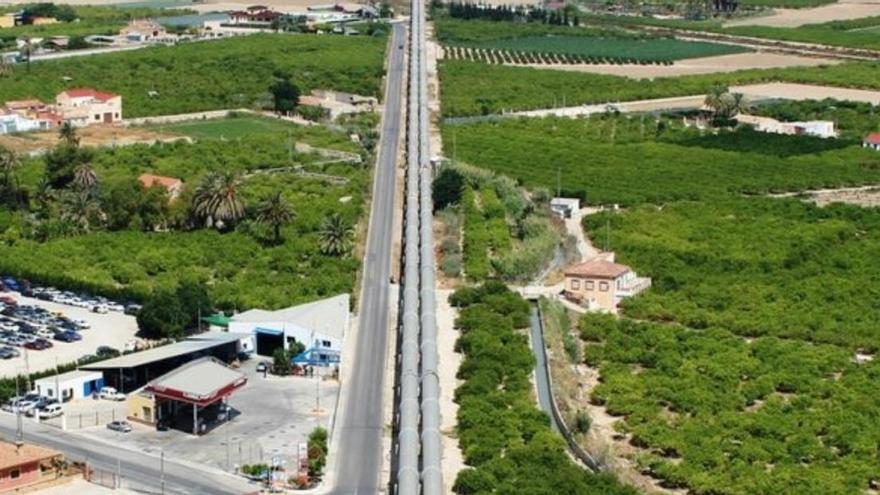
{"points": [[263, 367], [110, 393], [65, 337], [100, 309], [120, 426], [132, 309], [50, 411]]}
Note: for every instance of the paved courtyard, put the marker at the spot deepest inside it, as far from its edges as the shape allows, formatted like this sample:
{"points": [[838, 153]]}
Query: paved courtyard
{"points": [[274, 415]]}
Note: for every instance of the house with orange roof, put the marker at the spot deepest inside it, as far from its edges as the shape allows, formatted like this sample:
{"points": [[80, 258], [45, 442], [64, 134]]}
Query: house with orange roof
{"points": [[173, 186], [872, 141], [25, 465], [600, 284], [86, 106]]}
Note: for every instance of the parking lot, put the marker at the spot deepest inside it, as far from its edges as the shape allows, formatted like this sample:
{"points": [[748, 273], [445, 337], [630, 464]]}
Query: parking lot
{"points": [[114, 329], [271, 416]]}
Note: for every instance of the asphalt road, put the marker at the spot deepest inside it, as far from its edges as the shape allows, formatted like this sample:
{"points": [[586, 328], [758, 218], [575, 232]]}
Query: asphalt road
{"points": [[137, 469], [361, 422]]}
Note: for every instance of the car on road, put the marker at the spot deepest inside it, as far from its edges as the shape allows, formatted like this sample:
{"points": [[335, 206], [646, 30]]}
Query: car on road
{"points": [[50, 411], [110, 393], [120, 426]]}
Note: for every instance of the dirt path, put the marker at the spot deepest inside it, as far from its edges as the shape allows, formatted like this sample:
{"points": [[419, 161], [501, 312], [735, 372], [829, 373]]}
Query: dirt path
{"points": [[840, 11], [777, 90], [704, 65], [868, 196]]}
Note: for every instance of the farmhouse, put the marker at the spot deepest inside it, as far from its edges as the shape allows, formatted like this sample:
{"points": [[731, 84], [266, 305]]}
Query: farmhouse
{"points": [[172, 185], [601, 284], [872, 141], [319, 325], [86, 106], [23, 465], [818, 128], [141, 30], [256, 15]]}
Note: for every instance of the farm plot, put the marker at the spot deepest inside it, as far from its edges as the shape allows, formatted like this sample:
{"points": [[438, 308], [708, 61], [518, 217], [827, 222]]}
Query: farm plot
{"points": [[192, 77], [766, 388], [636, 160], [588, 48]]}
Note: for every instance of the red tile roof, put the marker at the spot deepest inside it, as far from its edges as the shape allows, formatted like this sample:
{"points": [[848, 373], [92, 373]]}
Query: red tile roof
{"points": [[873, 138], [597, 269], [149, 180], [89, 93]]}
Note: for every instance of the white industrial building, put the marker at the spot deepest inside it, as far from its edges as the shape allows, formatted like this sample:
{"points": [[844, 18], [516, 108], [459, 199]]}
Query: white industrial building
{"points": [[11, 122], [73, 385], [818, 128], [319, 325]]}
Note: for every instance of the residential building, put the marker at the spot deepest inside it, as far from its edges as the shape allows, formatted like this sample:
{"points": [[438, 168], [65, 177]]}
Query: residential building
{"points": [[172, 185], [73, 385], [320, 326], [601, 284], [11, 122], [565, 207], [872, 141], [141, 30], [817, 128], [86, 106], [25, 465], [256, 15]]}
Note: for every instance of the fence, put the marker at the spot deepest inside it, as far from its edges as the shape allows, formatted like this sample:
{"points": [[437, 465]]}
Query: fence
{"points": [[78, 421]]}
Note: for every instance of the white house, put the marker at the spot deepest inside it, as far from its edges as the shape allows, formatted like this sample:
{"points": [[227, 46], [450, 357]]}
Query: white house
{"points": [[564, 207], [818, 128], [86, 106], [319, 325], [14, 122], [73, 385]]}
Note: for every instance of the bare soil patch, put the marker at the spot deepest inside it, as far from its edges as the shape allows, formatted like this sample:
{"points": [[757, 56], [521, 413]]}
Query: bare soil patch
{"points": [[867, 196], [703, 65], [840, 11], [99, 135]]}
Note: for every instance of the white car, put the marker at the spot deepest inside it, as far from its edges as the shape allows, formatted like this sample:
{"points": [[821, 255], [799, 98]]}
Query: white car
{"points": [[50, 411], [110, 393], [100, 309], [82, 324]]}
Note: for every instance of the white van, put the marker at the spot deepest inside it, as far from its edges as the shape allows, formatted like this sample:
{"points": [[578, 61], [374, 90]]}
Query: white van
{"points": [[110, 393], [51, 411]]}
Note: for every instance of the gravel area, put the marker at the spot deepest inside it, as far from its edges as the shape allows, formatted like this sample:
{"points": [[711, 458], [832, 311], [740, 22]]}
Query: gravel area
{"points": [[840, 11]]}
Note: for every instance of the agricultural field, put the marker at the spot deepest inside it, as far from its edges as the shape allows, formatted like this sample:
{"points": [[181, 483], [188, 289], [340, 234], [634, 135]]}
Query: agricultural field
{"points": [[574, 44], [192, 77], [634, 160], [640, 50], [506, 440], [120, 254], [472, 88]]}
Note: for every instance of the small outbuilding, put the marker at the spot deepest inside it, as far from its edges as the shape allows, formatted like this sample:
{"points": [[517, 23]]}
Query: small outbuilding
{"points": [[72, 385], [565, 207], [872, 141], [25, 465], [600, 284]]}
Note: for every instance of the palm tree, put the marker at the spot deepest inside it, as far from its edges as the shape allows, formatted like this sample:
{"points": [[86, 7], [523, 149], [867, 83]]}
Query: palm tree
{"points": [[84, 177], [67, 133], [335, 235], [79, 208], [44, 193], [275, 211], [723, 104], [217, 199]]}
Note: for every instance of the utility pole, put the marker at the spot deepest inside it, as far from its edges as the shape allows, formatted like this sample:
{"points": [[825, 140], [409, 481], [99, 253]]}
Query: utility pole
{"points": [[162, 470], [118, 473], [57, 389], [558, 182], [27, 369]]}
